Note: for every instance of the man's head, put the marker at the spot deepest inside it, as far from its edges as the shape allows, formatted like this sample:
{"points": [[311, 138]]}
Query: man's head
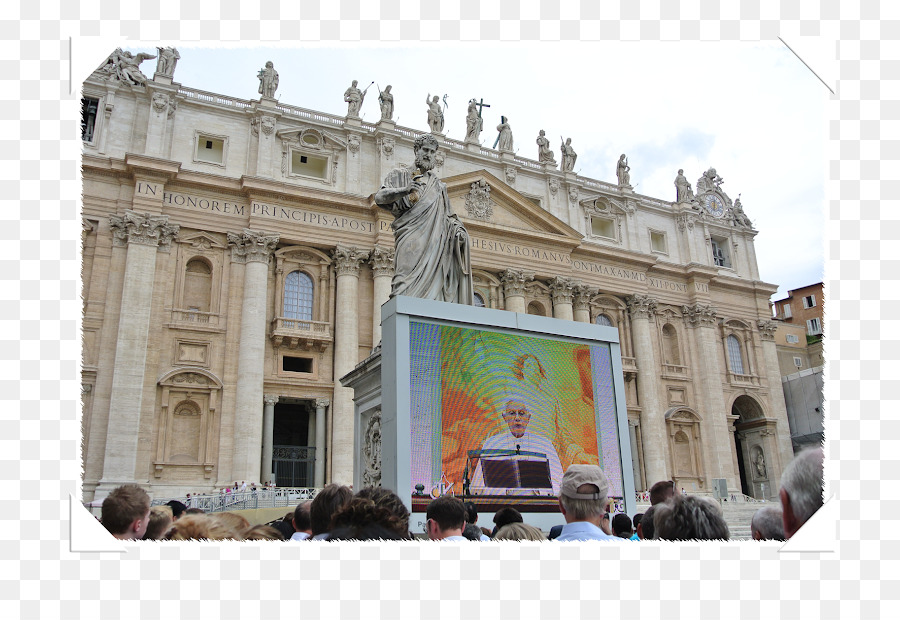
{"points": [[446, 517], [471, 512], [505, 516], [767, 524], [680, 171], [126, 512], [354, 83], [425, 148], [159, 523], [328, 501], [177, 508], [516, 416], [583, 493], [301, 520], [621, 526], [801, 489], [689, 517], [269, 64], [661, 491], [645, 529], [435, 99], [392, 502]]}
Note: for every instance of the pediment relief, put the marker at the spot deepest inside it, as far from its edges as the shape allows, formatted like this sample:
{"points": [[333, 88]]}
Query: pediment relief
{"points": [[312, 138], [683, 414], [190, 378], [303, 254], [201, 241], [736, 324], [603, 205], [480, 190]]}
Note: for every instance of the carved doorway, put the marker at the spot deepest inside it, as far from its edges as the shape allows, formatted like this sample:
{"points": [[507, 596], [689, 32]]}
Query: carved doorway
{"points": [[754, 447], [293, 459], [684, 438]]}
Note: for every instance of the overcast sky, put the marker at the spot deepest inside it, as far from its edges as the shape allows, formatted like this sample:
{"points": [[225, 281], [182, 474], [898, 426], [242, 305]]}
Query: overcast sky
{"points": [[751, 110]]}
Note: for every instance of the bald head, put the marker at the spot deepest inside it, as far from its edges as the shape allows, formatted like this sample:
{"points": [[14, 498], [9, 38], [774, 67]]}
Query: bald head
{"points": [[801, 489]]}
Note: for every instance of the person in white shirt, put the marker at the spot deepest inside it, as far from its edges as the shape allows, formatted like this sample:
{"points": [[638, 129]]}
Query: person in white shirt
{"points": [[582, 502]]}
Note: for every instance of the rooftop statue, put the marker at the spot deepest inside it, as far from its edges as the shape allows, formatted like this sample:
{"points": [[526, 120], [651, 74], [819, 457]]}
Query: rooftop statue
{"points": [[505, 137], [622, 171], [683, 191], [268, 80], [435, 114], [432, 258], [124, 66], [710, 181], [386, 102], [545, 155], [355, 97], [568, 155], [474, 122], [168, 57]]}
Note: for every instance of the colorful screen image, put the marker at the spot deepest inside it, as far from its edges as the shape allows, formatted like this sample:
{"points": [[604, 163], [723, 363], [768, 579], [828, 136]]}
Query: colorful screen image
{"points": [[496, 413]]}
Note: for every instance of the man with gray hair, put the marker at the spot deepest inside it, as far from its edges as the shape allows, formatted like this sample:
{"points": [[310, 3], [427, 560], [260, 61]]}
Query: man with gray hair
{"points": [[582, 502], [767, 524], [801, 489]]}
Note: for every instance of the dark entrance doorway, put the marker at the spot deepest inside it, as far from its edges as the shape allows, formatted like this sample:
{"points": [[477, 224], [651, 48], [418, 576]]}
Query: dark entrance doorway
{"points": [[293, 459], [745, 488]]}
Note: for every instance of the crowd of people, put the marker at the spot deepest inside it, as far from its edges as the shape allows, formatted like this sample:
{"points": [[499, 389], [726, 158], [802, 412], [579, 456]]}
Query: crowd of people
{"points": [[337, 513]]}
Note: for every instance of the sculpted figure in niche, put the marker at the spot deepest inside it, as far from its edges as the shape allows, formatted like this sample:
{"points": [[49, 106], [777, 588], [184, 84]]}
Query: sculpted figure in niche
{"points": [[504, 138], [622, 169], [432, 258], [760, 463], [474, 122], [386, 101], [268, 80], [168, 57], [568, 155], [435, 114], [683, 191], [545, 155]]}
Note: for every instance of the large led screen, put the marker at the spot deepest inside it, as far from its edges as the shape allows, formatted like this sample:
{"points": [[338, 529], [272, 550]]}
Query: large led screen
{"points": [[501, 413]]}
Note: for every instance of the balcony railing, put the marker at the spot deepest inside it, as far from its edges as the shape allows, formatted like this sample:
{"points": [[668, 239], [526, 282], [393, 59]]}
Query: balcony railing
{"points": [[629, 368], [743, 379], [299, 333], [195, 317], [674, 369]]}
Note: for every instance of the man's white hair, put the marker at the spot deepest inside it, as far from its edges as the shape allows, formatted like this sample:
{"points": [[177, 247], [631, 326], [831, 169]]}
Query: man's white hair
{"points": [[802, 480]]}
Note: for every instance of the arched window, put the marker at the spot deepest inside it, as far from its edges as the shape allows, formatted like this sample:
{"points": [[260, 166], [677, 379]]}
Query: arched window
{"points": [[479, 301], [536, 309], [734, 355], [298, 296], [602, 319], [197, 285], [670, 346]]}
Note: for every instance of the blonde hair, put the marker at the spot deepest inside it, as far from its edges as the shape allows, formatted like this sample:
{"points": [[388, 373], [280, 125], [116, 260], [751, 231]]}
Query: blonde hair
{"points": [[519, 531]]}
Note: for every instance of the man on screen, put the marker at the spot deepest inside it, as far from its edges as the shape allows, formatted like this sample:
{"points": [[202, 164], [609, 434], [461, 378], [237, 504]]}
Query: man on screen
{"points": [[517, 415]]}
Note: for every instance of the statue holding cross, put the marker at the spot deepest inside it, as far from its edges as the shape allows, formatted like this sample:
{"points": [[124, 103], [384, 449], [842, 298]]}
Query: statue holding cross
{"points": [[474, 122]]}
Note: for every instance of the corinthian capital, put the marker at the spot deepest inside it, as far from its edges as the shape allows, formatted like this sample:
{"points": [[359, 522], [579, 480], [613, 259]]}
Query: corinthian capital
{"points": [[561, 289], [142, 229], [251, 246], [767, 329], [514, 282], [641, 306], [347, 260], [583, 296], [270, 399], [322, 403], [382, 261], [697, 315]]}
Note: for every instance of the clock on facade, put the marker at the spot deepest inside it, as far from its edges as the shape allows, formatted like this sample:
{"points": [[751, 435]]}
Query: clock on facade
{"points": [[714, 205]]}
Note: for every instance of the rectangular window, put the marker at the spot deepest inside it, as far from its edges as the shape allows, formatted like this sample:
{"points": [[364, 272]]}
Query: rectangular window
{"points": [[721, 257], [88, 118], [658, 242], [809, 301], [309, 165], [297, 364], [601, 227], [798, 362], [813, 327], [210, 149], [792, 338], [787, 311]]}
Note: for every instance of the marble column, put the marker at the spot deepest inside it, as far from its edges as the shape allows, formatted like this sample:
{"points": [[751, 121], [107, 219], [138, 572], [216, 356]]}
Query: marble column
{"points": [[346, 357], [582, 305], [514, 289], [561, 290], [653, 425], [777, 410], [253, 249], [703, 320], [321, 404], [268, 439], [143, 234], [382, 262]]}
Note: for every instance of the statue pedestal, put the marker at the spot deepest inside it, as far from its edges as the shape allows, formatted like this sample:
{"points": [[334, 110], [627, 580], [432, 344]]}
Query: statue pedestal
{"points": [[473, 147], [429, 403], [626, 189], [353, 121], [267, 102], [508, 156], [550, 167], [386, 125], [159, 78]]}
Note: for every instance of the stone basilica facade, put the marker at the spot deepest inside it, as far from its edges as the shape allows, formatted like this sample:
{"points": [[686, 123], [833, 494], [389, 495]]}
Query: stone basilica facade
{"points": [[234, 266]]}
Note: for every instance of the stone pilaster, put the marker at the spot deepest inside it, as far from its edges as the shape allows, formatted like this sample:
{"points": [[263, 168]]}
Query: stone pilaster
{"points": [[382, 262], [562, 290], [582, 304], [703, 320], [635, 460], [514, 288], [162, 108], [253, 249], [269, 401], [346, 356], [778, 411], [143, 235], [321, 405], [642, 309], [264, 128]]}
